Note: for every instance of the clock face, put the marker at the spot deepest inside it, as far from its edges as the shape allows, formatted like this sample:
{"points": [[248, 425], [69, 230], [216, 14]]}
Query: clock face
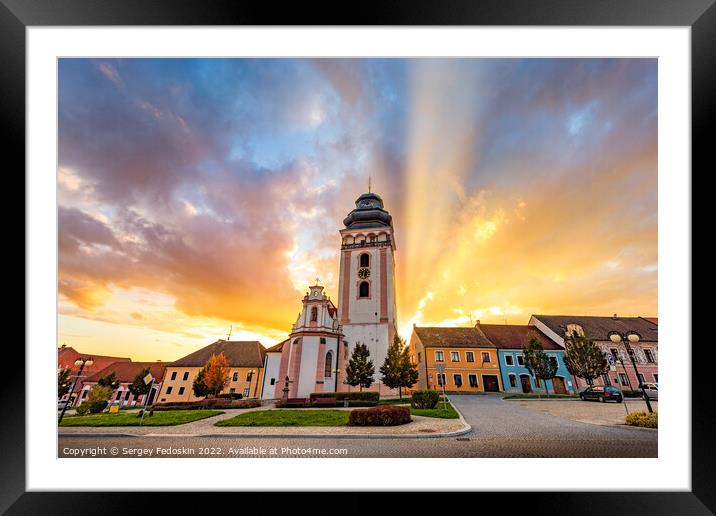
{"points": [[363, 272]]}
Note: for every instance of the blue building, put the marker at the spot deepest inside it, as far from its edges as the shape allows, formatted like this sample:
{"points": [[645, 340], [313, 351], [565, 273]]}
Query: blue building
{"points": [[509, 339]]}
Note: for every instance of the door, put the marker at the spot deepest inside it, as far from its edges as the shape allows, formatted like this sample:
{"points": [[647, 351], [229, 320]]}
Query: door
{"points": [[559, 387], [491, 383], [526, 384]]}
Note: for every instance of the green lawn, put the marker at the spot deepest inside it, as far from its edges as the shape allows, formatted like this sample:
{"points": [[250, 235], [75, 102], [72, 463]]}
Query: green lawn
{"points": [[288, 417], [541, 396], [160, 418], [438, 411]]}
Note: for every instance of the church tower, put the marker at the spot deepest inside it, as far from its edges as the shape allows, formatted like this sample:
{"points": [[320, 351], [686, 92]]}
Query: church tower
{"points": [[366, 286]]}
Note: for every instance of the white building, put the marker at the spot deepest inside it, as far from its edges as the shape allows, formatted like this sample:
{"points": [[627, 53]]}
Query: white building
{"points": [[315, 356]]}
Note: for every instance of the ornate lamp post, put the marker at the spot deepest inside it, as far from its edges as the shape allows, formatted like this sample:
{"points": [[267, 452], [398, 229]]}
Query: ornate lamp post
{"points": [[82, 362], [285, 389], [627, 340]]}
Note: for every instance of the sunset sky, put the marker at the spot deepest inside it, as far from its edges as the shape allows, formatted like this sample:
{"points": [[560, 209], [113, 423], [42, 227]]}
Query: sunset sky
{"points": [[202, 193]]}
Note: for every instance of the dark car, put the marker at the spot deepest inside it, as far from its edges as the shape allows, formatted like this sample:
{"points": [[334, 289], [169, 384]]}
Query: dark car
{"points": [[602, 394]]}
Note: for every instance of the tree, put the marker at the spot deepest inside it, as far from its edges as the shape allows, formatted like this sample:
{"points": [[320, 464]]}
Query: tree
{"points": [[138, 387], [64, 382], [538, 363], [96, 401], [109, 380], [360, 369], [398, 370], [217, 373], [199, 386], [584, 359]]}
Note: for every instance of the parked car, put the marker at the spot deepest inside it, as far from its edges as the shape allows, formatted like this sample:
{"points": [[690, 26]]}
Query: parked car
{"points": [[61, 403], [651, 390], [602, 394]]}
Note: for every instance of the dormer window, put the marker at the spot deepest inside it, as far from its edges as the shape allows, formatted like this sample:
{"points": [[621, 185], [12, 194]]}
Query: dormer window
{"points": [[574, 329], [314, 314]]}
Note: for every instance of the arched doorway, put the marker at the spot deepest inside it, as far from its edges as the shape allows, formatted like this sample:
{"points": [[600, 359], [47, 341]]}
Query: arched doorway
{"points": [[526, 383]]}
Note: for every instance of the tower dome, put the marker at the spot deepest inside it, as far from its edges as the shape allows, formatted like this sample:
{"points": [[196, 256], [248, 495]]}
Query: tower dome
{"points": [[368, 213]]}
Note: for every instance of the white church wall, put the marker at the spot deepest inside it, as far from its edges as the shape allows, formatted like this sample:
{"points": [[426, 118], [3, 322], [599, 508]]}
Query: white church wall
{"points": [[273, 362]]}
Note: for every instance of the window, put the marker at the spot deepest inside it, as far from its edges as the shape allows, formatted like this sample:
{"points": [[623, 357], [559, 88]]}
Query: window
{"points": [[615, 354], [246, 392], [439, 356], [457, 378], [364, 289], [174, 375], [322, 340], [169, 390], [509, 360], [273, 381], [126, 396], [472, 378], [455, 356], [607, 380], [365, 260], [119, 395], [441, 379], [232, 390], [485, 356], [295, 341], [641, 379], [249, 375], [181, 390], [649, 356], [470, 356], [328, 365], [420, 357], [521, 360], [623, 379], [513, 380], [553, 361], [186, 376], [235, 378], [616, 380], [574, 329], [314, 314], [656, 377]]}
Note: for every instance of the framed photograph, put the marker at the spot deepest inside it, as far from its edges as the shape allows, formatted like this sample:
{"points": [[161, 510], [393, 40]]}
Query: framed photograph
{"points": [[433, 238]]}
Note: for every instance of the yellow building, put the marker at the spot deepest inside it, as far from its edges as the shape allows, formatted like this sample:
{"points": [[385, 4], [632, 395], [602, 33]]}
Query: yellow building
{"points": [[246, 362], [469, 360]]}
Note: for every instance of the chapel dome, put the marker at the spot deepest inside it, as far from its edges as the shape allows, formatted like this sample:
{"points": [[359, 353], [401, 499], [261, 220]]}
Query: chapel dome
{"points": [[368, 213]]}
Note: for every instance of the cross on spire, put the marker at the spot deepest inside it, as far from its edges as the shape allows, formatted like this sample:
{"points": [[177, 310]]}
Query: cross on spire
{"points": [[368, 184]]}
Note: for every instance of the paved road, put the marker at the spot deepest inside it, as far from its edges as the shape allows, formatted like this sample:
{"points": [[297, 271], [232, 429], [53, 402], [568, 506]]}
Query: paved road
{"points": [[500, 429]]}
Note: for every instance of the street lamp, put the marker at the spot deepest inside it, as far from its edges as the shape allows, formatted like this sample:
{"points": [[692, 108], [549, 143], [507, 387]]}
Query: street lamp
{"points": [[627, 340], [251, 378], [81, 362]]}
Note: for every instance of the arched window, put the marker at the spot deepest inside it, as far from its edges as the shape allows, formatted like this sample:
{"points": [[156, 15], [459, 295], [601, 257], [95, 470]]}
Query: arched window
{"points": [[364, 289], [365, 260], [329, 364], [314, 314]]}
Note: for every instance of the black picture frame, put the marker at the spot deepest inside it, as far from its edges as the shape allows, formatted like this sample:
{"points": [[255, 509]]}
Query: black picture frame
{"points": [[700, 15]]}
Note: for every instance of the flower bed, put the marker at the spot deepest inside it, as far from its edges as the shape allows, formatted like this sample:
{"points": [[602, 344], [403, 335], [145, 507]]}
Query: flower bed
{"points": [[385, 415], [643, 419]]}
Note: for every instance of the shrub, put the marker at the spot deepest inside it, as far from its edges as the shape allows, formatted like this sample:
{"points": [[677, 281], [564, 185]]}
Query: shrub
{"points": [[231, 396], [424, 399], [91, 407], [340, 396], [645, 419], [298, 403], [385, 415], [207, 404]]}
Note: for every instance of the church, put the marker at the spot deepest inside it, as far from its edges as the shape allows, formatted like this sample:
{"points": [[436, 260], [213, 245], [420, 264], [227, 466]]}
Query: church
{"points": [[314, 356]]}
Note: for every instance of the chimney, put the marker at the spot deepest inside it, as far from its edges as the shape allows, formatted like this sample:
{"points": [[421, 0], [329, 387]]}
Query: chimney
{"points": [[615, 317], [477, 323]]}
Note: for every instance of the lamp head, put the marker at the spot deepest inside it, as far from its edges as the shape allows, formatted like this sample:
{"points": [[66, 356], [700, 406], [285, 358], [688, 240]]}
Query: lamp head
{"points": [[633, 338], [615, 338], [89, 362]]}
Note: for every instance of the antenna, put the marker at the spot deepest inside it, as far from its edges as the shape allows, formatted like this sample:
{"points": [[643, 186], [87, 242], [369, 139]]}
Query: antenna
{"points": [[230, 328], [368, 184]]}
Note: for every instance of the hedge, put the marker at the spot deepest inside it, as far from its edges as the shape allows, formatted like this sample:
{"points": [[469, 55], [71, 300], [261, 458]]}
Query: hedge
{"points": [[92, 407], [424, 399], [645, 419], [293, 404], [340, 396], [384, 415], [631, 394], [213, 403]]}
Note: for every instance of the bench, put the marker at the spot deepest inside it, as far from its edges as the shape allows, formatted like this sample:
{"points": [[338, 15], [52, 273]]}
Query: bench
{"points": [[296, 402], [324, 402]]}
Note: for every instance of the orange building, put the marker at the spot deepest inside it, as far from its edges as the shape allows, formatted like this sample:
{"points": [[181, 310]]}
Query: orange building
{"points": [[469, 359]]}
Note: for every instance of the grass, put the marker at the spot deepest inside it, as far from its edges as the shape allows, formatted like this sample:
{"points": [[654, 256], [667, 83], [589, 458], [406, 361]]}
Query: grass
{"points": [[541, 396], [168, 418], [439, 411], [288, 417]]}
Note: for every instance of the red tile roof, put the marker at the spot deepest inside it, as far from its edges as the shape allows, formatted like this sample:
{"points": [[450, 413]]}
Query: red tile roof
{"points": [[516, 336], [654, 320], [439, 337], [277, 348], [127, 371], [66, 356]]}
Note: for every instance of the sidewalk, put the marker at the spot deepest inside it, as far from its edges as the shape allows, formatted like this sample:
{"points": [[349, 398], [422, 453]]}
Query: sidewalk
{"points": [[420, 427]]}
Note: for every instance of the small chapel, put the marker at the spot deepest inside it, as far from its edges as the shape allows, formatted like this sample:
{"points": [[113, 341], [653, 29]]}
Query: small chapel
{"points": [[314, 356]]}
